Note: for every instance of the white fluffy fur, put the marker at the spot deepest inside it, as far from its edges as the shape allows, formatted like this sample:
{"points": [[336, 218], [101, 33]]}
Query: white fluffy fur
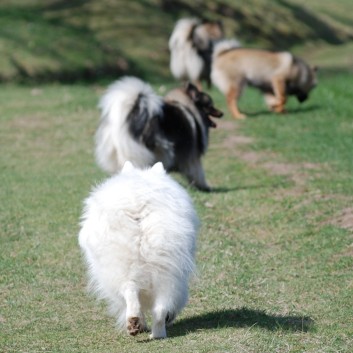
{"points": [[138, 236], [114, 146], [185, 63]]}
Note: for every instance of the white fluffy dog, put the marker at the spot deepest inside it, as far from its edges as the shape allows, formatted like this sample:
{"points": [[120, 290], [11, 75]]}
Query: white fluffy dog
{"points": [[138, 236]]}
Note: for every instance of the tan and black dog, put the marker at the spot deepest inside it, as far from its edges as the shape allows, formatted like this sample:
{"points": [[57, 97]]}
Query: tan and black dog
{"points": [[276, 74]]}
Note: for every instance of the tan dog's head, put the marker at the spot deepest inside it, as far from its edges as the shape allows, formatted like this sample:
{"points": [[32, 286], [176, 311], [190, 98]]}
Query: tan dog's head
{"points": [[303, 80]]}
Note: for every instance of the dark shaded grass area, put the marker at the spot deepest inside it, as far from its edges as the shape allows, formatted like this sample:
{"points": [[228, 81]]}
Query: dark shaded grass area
{"points": [[70, 41]]}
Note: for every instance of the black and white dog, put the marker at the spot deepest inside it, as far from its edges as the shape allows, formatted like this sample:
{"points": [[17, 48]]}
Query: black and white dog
{"points": [[191, 45], [138, 125]]}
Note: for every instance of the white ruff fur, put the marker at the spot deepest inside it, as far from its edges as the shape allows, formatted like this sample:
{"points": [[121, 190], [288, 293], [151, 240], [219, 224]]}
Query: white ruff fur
{"points": [[185, 63], [114, 146], [225, 44], [138, 236], [218, 77]]}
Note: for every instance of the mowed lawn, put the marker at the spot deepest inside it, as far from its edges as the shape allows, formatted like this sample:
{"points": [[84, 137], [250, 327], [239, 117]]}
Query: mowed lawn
{"points": [[275, 253]]}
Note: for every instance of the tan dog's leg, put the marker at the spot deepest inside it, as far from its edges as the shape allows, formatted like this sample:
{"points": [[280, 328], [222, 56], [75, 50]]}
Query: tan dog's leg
{"points": [[279, 89], [232, 100]]}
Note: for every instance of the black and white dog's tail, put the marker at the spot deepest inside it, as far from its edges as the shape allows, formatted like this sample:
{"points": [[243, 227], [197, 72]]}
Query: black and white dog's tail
{"points": [[127, 108], [185, 62]]}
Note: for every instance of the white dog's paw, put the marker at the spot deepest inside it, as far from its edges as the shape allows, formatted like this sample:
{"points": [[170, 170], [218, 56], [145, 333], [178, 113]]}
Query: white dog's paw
{"points": [[135, 325], [158, 332], [153, 337]]}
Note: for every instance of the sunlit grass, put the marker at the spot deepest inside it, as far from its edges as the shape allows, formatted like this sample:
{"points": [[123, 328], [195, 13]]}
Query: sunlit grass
{"points": [[274, 261]]}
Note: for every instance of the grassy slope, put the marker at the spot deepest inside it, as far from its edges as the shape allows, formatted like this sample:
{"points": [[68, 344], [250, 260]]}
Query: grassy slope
{"points": [[95, 39]]}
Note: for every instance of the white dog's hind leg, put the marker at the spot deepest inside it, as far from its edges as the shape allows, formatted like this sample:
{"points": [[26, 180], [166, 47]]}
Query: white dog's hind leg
{"points": [[170, 299], [159, 315], [135, 322]]}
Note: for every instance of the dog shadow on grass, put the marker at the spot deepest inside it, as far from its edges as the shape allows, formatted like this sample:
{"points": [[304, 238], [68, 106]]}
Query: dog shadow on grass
{"points": [[225, 189], [240, 318], [290, 111]]}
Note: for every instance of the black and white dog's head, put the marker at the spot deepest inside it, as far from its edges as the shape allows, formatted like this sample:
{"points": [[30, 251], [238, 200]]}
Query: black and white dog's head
{"points": [[186, 119], [204, 104]]}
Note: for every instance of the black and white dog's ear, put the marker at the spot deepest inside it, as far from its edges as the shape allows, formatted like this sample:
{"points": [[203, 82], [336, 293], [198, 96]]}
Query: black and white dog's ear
{"points": [[192, 91]]}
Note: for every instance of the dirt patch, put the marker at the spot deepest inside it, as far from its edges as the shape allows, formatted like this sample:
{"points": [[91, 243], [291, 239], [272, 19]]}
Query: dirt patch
{"points": [[288, 169], [315, 197], [299, 173], [236, 144], [344, 219], [267, 161], [347, 252], [29, 123], [234, 141], [226, 125]]}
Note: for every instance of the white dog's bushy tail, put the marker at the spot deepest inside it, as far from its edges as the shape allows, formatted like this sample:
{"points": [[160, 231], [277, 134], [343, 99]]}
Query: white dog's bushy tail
{"points": [[114, 141], [181, 32], [185, 63]]}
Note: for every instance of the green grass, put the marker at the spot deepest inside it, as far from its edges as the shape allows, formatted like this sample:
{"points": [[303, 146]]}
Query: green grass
{"points": [[274, 259], [275, 252]]}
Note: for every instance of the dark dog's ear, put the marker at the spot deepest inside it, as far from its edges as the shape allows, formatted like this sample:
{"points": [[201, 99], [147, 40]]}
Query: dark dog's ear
{"points": [[315, 68], [192, 91]]}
